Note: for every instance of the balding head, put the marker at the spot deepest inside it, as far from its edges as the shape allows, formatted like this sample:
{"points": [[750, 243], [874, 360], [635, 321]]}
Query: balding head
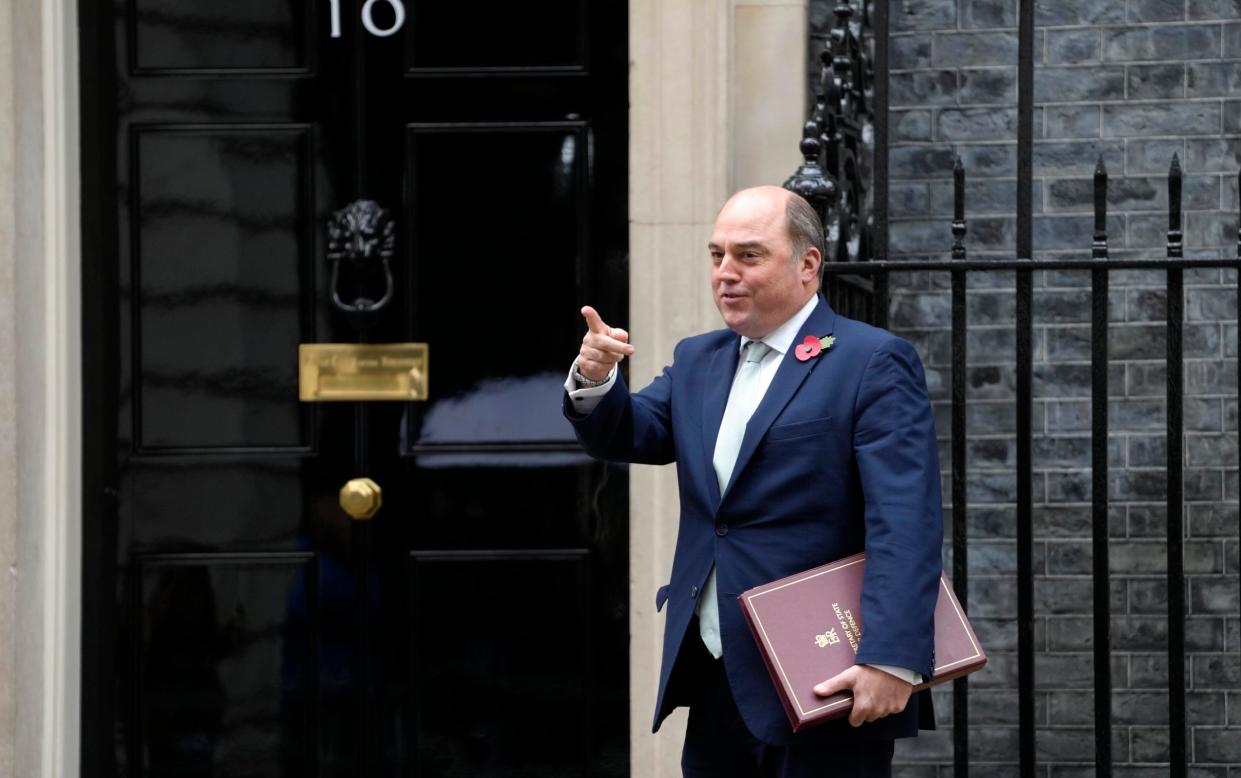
{"points": [[801, 221], [764, 268], [766, 199]]}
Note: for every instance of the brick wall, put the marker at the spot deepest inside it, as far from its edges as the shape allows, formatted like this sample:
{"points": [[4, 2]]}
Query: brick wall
{"points": [[1134, 82]]}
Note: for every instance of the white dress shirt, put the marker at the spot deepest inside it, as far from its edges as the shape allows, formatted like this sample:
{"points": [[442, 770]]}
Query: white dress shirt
{"points": [[780, 340]]}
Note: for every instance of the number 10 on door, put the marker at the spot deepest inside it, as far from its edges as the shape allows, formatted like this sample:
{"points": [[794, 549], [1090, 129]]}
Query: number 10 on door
{"points": [[368, 19]]}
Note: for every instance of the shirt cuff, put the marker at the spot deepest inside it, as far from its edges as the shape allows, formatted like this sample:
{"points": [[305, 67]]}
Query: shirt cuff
{"points": [[587, 399], [904, 673]]}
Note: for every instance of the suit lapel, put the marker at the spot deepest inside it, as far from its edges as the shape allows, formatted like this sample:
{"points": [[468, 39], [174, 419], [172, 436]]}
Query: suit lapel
{"points": [[721, 367], [788, 379]]}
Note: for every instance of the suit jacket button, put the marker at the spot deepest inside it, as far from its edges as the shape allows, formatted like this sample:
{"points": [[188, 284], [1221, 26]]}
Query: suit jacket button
{"points": [[693, 592], [721, 529]]}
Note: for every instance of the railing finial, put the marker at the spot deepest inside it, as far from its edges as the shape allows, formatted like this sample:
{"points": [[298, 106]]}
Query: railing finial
{"points": [[958, 208], [1176, 238], [1098, 249], [810, 181]]}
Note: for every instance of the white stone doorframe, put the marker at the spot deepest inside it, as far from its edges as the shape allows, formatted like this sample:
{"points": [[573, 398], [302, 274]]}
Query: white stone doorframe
{"points": [[717, 101], [40, 419]]}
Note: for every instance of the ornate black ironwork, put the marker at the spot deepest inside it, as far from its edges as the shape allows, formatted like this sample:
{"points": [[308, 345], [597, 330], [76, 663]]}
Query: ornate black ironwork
{"points": [[837, 141], [362, 240]]}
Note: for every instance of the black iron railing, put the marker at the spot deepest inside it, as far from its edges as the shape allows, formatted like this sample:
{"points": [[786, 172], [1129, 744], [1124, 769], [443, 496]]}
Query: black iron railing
{"points": [[1100, 266], [857, 283]]}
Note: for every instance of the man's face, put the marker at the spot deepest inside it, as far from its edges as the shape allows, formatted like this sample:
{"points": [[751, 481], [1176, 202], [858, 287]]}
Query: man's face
{"points": [[756, 283]]}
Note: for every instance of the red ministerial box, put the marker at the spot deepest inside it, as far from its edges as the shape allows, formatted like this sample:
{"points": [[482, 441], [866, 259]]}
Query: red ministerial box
{"points": [[808, 625]]}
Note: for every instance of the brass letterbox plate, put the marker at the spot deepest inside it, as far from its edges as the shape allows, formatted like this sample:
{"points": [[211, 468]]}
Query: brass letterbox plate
{"points": [[362, 371]]}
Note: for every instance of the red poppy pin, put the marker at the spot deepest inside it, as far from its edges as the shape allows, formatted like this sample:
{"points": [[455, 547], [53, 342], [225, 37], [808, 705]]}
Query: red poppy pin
{"points": [[811, 347]]}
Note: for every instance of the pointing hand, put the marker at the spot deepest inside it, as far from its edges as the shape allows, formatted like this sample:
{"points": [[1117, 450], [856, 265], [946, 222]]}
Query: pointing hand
{"points": [[602, 347]]}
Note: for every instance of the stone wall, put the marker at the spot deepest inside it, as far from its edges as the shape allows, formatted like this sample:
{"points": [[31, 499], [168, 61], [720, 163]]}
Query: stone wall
{"points": [[40, 419], [1133, 82], [8, 406]]}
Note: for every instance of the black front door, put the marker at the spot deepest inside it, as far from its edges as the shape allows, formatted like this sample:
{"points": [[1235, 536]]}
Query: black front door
{"points": [[237, 621]]}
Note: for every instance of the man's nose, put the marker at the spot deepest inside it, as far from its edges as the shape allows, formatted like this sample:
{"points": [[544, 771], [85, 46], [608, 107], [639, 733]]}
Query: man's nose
{"points": [[727, 268]]}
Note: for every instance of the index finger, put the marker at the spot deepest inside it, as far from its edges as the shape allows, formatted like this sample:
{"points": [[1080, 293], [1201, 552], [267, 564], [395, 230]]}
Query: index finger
{"points": [[593, 322], [840, 682]]}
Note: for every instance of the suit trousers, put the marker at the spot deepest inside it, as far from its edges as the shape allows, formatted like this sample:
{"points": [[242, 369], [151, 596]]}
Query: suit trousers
{"points": [[718, 744]]}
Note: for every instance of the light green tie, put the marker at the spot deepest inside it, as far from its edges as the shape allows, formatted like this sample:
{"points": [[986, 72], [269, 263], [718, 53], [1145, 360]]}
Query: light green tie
{"points": [[742, 400]]}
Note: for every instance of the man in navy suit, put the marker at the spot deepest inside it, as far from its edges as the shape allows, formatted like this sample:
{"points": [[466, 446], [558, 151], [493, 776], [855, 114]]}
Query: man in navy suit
{"points": [[785, 461]]}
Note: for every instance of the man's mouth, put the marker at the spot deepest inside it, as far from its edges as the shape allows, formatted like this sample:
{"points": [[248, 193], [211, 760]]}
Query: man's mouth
{"points": [[731, 297]]}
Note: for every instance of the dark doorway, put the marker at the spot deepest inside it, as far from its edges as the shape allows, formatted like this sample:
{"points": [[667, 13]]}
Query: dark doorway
{"points": [[237, 621]]}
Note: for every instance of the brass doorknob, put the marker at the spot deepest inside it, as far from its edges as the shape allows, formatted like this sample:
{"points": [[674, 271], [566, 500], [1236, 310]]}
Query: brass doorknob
{"points": [[361, 498]]}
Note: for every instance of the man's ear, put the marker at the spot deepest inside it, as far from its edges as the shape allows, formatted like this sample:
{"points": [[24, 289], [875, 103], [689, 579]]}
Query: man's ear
{"points": [[810, 262]]}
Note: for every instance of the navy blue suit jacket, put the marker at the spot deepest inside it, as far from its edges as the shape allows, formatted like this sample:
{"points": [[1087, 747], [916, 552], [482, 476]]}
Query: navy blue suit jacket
{"points": [[839, 456]]}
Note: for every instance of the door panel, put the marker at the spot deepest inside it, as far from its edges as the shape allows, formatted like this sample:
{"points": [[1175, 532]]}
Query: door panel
{"points": [[525, 658], [221, 664], [218, 35], [550, 35], [473, 504], [238, 622], [223, 267], [528, 249], [214, 502]]}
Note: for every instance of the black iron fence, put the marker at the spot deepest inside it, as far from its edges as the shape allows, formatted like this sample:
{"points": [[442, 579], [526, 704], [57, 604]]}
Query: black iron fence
{"points": [[849, 108]]}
